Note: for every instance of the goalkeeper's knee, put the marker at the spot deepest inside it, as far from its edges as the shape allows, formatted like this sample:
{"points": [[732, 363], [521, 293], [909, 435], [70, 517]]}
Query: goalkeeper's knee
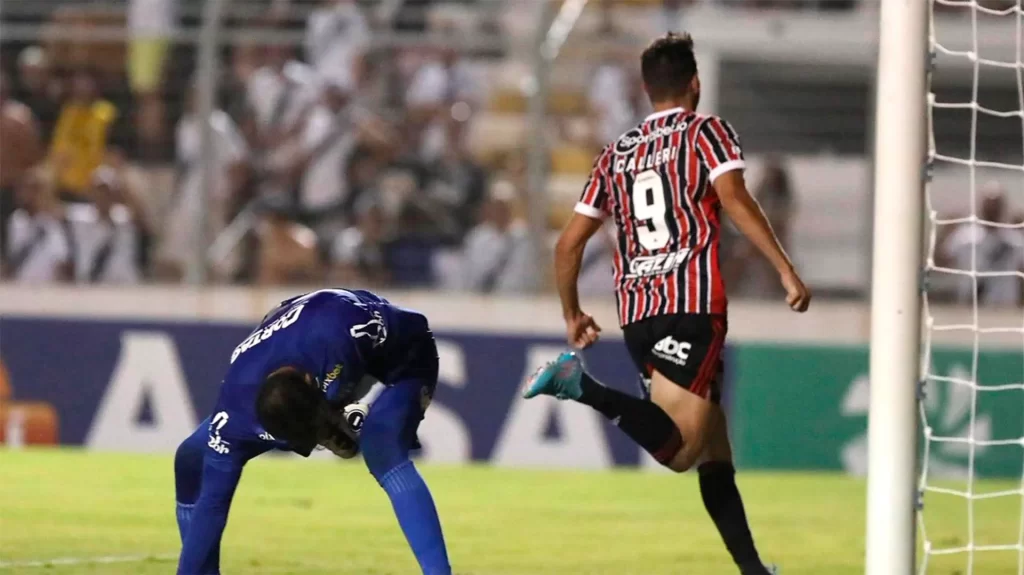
{"points": [[188, 467]]}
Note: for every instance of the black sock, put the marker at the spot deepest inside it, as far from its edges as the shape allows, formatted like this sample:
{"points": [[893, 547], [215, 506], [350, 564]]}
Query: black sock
{"points": [[724, 505], [643, 421]]}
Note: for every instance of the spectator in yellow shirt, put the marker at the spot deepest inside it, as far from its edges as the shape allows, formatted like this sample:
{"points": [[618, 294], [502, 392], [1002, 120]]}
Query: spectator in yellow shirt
{"points": [[80, 138]]}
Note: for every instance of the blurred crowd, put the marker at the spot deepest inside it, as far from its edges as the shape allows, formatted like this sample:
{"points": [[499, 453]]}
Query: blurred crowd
{"points": [[331, 162], [991, 243], [334, 160]]}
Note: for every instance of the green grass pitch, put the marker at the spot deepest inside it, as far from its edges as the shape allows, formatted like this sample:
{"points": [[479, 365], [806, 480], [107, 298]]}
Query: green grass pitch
{"points": [[324, 517]]}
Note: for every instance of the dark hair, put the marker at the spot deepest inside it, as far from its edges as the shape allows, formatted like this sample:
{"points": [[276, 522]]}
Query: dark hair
{"points": [[668, 65], [293, 410]]}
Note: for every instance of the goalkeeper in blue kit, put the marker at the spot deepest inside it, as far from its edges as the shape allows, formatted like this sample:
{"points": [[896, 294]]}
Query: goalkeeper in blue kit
{"points": [[345, 370]]}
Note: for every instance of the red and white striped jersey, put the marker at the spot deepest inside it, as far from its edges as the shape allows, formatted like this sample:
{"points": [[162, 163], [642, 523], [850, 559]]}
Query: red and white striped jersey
{"points": [[656, 182]]}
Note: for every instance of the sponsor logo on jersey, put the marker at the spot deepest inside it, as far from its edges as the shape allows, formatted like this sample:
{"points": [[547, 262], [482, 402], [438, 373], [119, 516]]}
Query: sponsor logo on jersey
{"points": [[675, 351], [630, 140], [331, 377], [217, 442], [267, 437], [289, 317], [374, 329], [657, 264]]}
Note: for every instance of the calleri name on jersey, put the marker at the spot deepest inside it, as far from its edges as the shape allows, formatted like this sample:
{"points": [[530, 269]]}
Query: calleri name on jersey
{"points": [[655, 181]]}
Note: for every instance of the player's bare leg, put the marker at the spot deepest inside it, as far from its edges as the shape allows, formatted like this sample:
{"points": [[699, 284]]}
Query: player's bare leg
{"points": [[678, 428], [695, 417], [705, 422]]}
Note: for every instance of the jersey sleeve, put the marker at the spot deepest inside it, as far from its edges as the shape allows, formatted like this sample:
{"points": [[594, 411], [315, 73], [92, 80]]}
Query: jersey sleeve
{"points": [[719, 146], [594, 201]]}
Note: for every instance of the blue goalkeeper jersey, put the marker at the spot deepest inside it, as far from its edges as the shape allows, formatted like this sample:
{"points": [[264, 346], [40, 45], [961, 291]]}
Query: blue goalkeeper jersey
{"points": [[341, 337], [338, 336]]}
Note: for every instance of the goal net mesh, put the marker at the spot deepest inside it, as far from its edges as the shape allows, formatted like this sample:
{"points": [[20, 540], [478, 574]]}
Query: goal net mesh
{"points": [[971, 486]]}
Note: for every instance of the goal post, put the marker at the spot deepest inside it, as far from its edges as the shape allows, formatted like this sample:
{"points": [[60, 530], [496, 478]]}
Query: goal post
{"points": [[899, 159]]}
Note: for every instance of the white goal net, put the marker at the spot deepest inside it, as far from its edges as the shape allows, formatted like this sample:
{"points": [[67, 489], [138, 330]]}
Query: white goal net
{"points": [[971, 486]]}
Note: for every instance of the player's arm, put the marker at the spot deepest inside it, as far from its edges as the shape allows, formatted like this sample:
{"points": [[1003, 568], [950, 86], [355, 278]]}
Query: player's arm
{"points": [[568, 260], [209, 516], [746, 213], [720, 149], [581, 330]]}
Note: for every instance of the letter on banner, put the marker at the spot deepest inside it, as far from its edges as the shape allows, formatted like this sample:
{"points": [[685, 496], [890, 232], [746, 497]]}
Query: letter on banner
{"points": [[148, 363], [581, 443]]}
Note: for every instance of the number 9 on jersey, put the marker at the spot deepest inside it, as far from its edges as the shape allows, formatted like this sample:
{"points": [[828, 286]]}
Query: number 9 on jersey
{"points": [[649, 209]]}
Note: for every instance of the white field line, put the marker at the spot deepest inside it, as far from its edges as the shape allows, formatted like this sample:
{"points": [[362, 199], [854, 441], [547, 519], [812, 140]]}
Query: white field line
{"points": [[63, 561]]}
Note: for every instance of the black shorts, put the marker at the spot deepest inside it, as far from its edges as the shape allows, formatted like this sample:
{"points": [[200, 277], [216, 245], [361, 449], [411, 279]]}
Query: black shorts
{"points": [[685, 348]]}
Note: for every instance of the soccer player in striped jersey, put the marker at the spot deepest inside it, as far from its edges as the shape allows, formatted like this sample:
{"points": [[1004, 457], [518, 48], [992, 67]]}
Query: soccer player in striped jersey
{"points": [[663, 183]]}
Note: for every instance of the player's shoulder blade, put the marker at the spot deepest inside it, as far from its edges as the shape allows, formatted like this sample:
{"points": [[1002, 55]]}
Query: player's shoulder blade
{"points": [[717, 126]]}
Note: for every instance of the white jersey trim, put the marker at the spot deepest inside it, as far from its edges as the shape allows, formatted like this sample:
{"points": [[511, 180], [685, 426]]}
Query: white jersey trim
{"points": [[589, 211], [726, 167], [663, 113]]}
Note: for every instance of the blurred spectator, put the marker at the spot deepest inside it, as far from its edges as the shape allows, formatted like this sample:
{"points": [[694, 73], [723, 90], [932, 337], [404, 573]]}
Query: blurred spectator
{"points": [[775, 194], [287, 251], [614, 96], [150, 25], [37, 240], [458, 184], [612, 100], [749, 274], [670, 17], [229, 155], [39, 89], [80, 138], [245, 59], [135, 184], [980, 246], [105, 233], [20, 149], [497, 254], [331, 134], [442, 88], [364, 169], [409, 15], [280, 93], [357, 254], [337, 37]]}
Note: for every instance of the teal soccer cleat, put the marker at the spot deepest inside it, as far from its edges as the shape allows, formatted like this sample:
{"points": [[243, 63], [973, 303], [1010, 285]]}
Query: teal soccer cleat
{"points": [[560, 378]]}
